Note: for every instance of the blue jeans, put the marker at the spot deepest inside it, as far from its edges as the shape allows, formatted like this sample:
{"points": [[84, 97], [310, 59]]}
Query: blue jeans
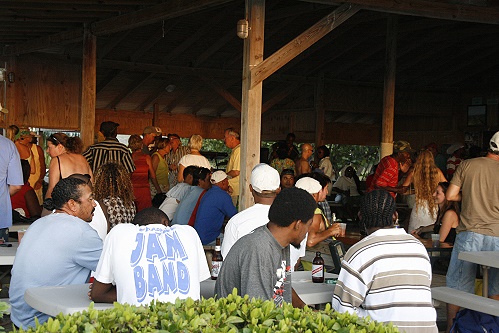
{"points": [[461, 274]]}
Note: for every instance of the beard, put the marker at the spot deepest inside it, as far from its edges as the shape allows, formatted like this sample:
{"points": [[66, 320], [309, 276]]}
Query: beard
{"points": [[296, 246]]}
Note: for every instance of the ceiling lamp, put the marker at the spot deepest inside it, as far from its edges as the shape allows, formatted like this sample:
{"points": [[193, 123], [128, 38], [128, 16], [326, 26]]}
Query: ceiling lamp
{"points": [[242, 29]]}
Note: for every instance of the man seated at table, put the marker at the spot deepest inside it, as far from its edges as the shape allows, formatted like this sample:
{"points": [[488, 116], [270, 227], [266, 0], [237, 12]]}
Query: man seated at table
{"points": [[259, 263], [150, 260], [387, 275], [58, 249], [214, 207]]}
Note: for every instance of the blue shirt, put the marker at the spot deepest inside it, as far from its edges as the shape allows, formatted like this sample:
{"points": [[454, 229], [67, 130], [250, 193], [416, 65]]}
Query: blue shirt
{"points": [[10, 174], [58, 249], [215, 205], [186, 206]]}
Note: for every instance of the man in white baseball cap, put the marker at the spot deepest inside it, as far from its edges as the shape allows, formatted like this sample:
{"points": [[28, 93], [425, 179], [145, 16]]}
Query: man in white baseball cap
{"points": [[321, 229], [265, 184]]}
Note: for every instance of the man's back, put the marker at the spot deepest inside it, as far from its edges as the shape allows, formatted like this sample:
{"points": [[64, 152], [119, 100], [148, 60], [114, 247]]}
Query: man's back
{"points": [[387, 276], [215, 205], [110, 150], [58, 249], [477, 179], [243, 223], [186, 206], [153, 262], [10, 174]]}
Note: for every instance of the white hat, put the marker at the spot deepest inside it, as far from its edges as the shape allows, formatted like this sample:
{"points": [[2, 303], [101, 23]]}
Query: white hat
{"points": [[454, 147], [308, 184], [264, 178], [218, 176], [494, 143]]}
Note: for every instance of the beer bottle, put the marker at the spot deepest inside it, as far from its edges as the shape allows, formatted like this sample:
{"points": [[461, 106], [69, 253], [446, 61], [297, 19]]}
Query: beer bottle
{"points": [[216, 261], [318, 269]]}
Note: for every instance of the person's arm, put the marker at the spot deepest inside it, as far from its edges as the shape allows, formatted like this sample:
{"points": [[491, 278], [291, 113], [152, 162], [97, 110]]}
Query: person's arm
{"points": [[420, 230], [449, 221], [180, 175], [34, 208], [232, 173], [317, 232], [155, 162], [54, 176], [441, 177], [296, 300], [453, 193], [408, 179], [103, 292], [43, 167], [152, 174]]}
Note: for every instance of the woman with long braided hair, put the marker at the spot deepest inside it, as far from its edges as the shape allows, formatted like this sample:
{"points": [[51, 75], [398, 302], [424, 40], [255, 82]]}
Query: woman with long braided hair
{"points": [[114, 191], [425, 176]]}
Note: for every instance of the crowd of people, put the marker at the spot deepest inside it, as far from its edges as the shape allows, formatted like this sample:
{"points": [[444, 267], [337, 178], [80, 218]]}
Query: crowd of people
{"points": [[99, 205]]}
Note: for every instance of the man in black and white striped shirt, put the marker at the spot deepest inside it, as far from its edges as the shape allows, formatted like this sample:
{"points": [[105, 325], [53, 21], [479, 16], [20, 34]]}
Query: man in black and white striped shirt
{"points": [[387, 275], [109, 150]]}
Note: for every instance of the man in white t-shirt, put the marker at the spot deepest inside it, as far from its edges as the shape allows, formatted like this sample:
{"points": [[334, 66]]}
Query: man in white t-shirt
{"points": [[264, 186], [149, 260]]}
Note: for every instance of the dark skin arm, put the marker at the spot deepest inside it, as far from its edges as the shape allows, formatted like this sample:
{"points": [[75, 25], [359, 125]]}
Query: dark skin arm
{"points": [[102, 292], [296, 300], [34, 208]]}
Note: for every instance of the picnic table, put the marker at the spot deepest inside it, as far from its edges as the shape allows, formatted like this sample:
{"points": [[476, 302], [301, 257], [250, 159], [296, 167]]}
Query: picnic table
{"points": [[68, 299]]}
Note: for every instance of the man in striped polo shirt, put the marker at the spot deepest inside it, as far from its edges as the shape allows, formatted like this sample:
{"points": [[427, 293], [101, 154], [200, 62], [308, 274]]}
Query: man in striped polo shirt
{"points": [[387, 275], [109, 150]]}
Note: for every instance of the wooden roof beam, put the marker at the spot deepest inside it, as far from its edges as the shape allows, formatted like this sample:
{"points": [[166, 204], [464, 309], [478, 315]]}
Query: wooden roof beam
{"points": [[222, 92], [289, 51], [148, 15], [427, 8], [131, 88]]}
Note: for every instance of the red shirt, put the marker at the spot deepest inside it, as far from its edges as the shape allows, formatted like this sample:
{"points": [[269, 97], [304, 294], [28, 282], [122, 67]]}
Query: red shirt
{"points": [[387, 174]]}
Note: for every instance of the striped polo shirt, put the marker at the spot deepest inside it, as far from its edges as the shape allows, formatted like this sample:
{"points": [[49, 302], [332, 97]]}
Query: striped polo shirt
{"points": [[109, 150], [387, 276]]}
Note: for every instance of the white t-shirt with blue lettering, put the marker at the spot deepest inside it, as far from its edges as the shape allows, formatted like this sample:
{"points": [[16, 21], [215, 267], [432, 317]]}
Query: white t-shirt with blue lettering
{"points": [[153, 262]]}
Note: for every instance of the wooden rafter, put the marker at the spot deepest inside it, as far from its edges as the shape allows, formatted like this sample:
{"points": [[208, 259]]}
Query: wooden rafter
{"points": [[131, 88], [302, 42], [222, 92], [427, 8], [148, 15]]}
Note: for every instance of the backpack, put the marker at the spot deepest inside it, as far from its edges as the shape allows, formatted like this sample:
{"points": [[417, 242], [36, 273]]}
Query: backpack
{"points": [[470, 321]]}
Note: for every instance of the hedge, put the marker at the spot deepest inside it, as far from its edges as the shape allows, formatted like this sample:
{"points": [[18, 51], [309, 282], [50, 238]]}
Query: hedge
{"points": [[231, 314]]}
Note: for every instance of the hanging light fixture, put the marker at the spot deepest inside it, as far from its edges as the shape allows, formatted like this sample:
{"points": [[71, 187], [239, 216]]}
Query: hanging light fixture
{"points": [[242, 29]]}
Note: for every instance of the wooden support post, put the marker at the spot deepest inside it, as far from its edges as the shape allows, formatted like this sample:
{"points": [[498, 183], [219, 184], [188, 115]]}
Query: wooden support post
{"points": [[88, 86], [251, 105], [319, 110], [389, 89]]}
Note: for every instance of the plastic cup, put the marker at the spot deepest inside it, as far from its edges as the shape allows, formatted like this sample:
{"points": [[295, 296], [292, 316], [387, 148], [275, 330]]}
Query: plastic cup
{"points": [[20, 235], [435, 240], [343, 227]]}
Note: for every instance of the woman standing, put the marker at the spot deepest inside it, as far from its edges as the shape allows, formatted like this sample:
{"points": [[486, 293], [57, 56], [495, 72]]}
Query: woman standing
{"points": [[114, 192], [66, 159], [143, 172], [194, 158], [425, 176], [447, 217], [162, 147]]}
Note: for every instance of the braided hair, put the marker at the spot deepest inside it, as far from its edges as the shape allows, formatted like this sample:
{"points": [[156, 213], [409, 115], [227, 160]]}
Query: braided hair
{"points": [[376, 209], [112, 180]]}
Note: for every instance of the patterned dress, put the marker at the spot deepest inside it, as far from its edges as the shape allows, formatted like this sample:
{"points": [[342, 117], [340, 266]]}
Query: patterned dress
{"points": [[117, 211]]}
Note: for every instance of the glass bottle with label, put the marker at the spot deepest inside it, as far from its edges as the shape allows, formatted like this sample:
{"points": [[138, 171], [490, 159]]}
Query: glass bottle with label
{"points": [[318, 268], [216, 261]]}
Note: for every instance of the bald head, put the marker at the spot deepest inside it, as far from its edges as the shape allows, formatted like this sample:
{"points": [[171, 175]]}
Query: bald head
{"points": [[306, 150]]}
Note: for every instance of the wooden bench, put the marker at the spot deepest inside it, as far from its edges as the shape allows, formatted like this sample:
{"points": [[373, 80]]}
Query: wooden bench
{"points": [[466, 300]]}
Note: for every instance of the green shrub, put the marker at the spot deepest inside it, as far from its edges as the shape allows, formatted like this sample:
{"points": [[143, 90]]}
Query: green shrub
{"points": [[231, 314]]}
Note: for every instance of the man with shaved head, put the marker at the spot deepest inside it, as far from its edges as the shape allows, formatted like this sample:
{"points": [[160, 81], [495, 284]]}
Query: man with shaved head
{"points": [[302, 165]]}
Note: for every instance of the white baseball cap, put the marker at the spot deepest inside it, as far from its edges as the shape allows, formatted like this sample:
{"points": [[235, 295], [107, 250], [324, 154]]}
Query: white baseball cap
{"points": [[308, 184], [494, 143], [218, 176], [264, 178]]}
